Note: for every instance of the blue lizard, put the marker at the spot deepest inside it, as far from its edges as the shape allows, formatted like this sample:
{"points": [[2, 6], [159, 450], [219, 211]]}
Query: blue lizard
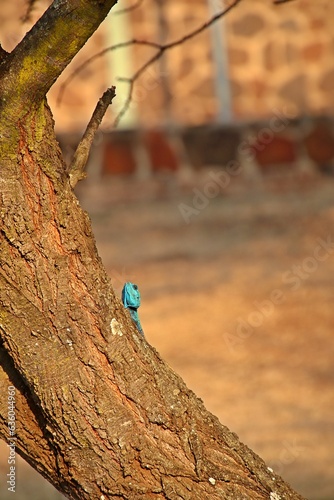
{"points": [[131, 300]]}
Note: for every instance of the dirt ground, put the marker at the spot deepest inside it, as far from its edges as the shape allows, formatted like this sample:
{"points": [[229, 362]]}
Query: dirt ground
{"points": [[239, 302]]}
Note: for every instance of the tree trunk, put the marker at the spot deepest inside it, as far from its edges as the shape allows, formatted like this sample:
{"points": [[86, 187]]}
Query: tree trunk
{"points": [[98, 412]]}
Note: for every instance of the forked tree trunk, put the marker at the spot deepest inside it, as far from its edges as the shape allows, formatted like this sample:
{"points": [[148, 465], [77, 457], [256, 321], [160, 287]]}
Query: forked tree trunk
{"points": [[98, 412]]}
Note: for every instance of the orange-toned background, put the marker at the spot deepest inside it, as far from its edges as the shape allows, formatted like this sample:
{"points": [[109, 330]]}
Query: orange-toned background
{"points": [[274, 385]]}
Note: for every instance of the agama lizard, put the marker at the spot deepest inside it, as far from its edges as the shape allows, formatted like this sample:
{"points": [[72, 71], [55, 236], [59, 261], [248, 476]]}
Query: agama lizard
{"points": [[131, 300]]}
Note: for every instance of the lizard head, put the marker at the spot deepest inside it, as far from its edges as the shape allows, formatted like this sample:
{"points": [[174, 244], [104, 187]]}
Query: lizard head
{"points": [[131, 295]]}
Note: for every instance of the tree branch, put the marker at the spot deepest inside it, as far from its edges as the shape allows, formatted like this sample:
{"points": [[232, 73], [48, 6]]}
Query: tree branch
{"points": [[37, 61], [80, 158], [30, 434]]}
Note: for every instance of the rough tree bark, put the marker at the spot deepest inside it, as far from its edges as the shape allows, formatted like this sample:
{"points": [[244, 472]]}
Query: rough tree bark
{"points": [[98, 412]]}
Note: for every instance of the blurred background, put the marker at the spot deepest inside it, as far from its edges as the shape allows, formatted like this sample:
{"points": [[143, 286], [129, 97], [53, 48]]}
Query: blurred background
{"points": [[215, 195]]}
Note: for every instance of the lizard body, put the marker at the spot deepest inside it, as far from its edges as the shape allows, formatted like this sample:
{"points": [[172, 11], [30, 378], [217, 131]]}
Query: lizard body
{"points": [[131, 300]]}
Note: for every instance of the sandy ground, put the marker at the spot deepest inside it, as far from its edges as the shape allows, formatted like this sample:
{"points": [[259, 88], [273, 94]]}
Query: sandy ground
{"points": [[239, 301]]}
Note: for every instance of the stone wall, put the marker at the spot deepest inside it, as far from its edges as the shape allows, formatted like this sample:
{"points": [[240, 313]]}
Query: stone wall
{"points": [[277, 56], [282, 55]]}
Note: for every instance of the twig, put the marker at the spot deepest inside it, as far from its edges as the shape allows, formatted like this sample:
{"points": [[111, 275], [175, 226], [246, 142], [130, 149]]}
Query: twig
{"points": [[160, 50], [30, 7], [77, 167]]}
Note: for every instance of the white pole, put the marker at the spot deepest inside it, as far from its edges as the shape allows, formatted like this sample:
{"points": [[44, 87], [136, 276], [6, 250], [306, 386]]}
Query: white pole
{"points": [[119, 62], [219, 50]]}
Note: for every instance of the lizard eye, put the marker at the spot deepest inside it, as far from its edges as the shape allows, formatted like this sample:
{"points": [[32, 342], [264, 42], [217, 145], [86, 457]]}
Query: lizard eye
{"points": [[135, 287]]}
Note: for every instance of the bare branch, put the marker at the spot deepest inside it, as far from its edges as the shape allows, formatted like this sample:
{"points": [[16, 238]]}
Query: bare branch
{"points": [[77, 167], [160, 48], [163, 48]]}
